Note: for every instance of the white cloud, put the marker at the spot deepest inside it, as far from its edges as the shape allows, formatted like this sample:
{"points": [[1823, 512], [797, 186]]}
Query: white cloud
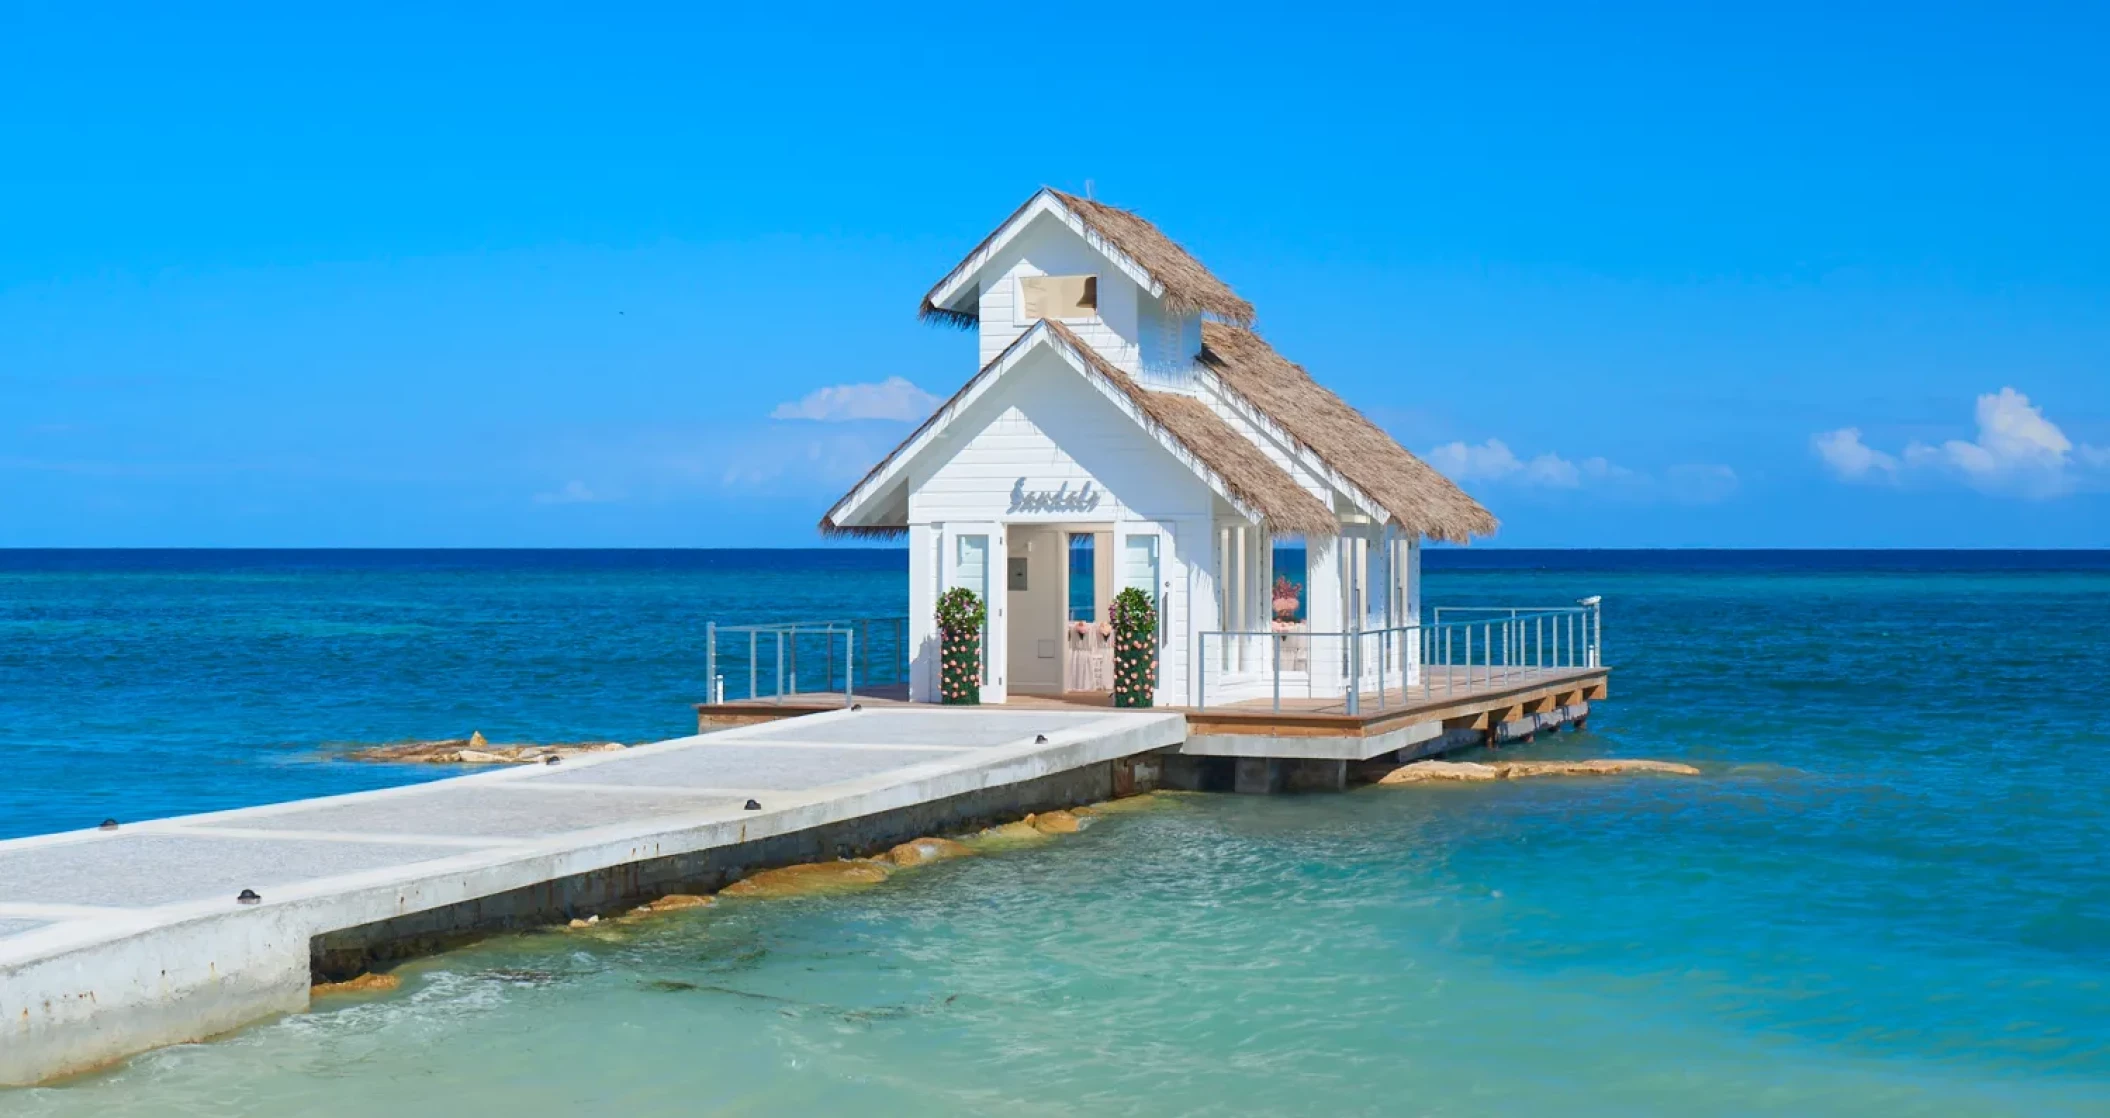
{"points": [[2017, 451], [572, 493], [1494, 463], [1852, 459], [1701, 484], [893, 398]]}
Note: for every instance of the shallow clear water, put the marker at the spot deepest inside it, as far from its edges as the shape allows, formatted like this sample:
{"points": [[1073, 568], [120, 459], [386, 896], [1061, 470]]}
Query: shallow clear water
{"points": [[1886, 894]]}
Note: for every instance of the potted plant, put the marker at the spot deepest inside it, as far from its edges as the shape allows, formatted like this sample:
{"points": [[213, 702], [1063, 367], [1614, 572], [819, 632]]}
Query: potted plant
{"points": [[960, 617], [1135, 625], [1287, 595]]}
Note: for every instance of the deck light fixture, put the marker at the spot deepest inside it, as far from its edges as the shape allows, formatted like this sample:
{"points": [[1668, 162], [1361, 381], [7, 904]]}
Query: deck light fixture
{"points": [[1040, 739], [552, 759], [108, 825], [754, 805], [248, 896], [857, 706]]}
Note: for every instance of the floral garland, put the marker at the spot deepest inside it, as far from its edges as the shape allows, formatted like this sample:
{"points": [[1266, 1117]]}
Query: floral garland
{"points": [[960, 617], [1135, 624]]}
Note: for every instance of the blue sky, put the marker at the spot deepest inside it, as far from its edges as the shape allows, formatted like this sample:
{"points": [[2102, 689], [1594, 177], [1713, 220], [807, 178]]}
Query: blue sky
{"points": [[1676, 275]]}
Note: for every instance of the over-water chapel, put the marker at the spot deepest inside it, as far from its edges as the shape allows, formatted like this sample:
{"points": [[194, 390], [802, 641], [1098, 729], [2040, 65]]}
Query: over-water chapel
{"points": [[1128, 427]]}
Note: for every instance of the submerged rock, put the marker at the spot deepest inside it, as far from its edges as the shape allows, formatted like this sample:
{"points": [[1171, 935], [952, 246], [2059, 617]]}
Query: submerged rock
{"points": [[1008, 834], [1146, 801], [364, 984], [675, 902], [1424, 772], [474, 750], [814, 877], [1605, 766], [1421, 772], [1054, 823], [923, 851]]}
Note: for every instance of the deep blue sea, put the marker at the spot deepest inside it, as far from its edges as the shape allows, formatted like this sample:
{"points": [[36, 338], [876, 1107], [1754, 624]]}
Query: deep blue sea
{"points": [[1888, 893]]}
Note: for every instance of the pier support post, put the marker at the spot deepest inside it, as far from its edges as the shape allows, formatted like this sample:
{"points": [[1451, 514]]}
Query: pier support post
{"points": [[1306, 775], [1256, 776]]}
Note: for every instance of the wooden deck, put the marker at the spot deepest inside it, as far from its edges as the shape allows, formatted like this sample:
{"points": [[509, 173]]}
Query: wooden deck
{"points": [[1451, 702]]}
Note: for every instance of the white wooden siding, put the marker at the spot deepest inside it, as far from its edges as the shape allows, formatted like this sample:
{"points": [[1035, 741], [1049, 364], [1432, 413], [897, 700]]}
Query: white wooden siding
{"points": [[1047, 247], [1167, 345], [1044, 426]]}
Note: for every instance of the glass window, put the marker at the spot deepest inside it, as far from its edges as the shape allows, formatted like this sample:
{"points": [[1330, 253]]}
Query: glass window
{"points": [[1139, 564], [972, 572], [1058, 297], [1083, 578], [1287, 597]]}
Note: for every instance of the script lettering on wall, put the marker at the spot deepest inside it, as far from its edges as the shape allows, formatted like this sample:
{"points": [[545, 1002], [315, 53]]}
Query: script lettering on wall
{"points": [[1059, 499]]}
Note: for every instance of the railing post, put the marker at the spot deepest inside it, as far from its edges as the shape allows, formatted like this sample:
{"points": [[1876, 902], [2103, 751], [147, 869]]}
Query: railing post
{"points": [[754, 678], [1384, 642], [710, 660], [1597, 638], [1201, 671], [780, 665], [1355, 673], [849, 664], [1276, 645]]}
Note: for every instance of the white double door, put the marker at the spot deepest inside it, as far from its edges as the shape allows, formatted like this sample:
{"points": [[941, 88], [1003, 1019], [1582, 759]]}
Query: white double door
{"points": [[977, 555]]}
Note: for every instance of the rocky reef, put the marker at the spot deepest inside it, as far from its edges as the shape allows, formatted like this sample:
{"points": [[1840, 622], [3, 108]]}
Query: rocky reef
{"points": [[1428, 772], [364, 984], [474, 750]]}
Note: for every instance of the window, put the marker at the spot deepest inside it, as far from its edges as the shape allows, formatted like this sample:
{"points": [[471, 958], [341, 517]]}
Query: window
{"points": [[1140, 564], [972, 571], [1058, 297], [1084, 605]]}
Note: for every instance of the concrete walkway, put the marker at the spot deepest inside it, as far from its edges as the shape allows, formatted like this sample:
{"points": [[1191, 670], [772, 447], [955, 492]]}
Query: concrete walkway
{"points": [[113, 942]]}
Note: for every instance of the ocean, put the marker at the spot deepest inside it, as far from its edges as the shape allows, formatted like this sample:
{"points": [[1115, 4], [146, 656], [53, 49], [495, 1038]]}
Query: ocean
{"points": [[1887, 892]]}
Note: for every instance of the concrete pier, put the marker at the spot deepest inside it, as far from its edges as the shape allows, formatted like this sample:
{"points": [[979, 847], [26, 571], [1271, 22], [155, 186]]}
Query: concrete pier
{"points": [[114, 942]]}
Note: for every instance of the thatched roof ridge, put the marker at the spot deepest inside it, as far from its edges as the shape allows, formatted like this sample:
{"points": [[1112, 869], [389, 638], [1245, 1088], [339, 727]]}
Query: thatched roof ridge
{"points": [[1250, 476], [1189, 288], [1416, 496], [1253, 478]]}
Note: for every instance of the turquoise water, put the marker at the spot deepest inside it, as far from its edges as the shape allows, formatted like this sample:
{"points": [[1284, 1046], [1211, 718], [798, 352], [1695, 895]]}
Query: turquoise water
{"points": [[1886, 895]]}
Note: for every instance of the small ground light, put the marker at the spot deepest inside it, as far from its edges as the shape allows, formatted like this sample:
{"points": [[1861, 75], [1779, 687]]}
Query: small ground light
{"points": [[108, 825], [248, 896], [754, 805], [857, 706], [552, 759], [1040, 739]]}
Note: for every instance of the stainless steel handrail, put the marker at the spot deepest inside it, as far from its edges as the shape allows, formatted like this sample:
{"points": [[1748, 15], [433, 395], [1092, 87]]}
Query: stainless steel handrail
{"points": [[1510, 643]]}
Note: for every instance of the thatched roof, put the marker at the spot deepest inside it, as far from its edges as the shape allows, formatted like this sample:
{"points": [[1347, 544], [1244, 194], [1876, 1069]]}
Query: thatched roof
{"points": [[1250, 475], [1188, 287], [1243, 469], [1420, 499]]}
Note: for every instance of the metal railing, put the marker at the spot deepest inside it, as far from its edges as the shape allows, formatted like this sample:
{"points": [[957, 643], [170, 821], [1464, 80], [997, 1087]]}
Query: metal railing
{"points": [[1487, 647], [783, 660]]}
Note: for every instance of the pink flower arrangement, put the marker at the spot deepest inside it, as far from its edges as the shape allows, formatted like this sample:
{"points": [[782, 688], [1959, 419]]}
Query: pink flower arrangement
{"points": [[1286, 596]]}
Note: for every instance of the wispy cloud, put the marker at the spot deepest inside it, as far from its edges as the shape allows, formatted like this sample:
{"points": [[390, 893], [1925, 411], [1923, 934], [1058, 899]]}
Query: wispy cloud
{"points": [[2016, 452], [1493, 463], [573, 492], [893, 398], [1850, 458]]}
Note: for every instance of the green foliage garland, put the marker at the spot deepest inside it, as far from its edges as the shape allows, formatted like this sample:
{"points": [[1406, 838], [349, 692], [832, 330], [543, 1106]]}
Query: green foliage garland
{"points": [[960, 617], [1135, 623]]}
